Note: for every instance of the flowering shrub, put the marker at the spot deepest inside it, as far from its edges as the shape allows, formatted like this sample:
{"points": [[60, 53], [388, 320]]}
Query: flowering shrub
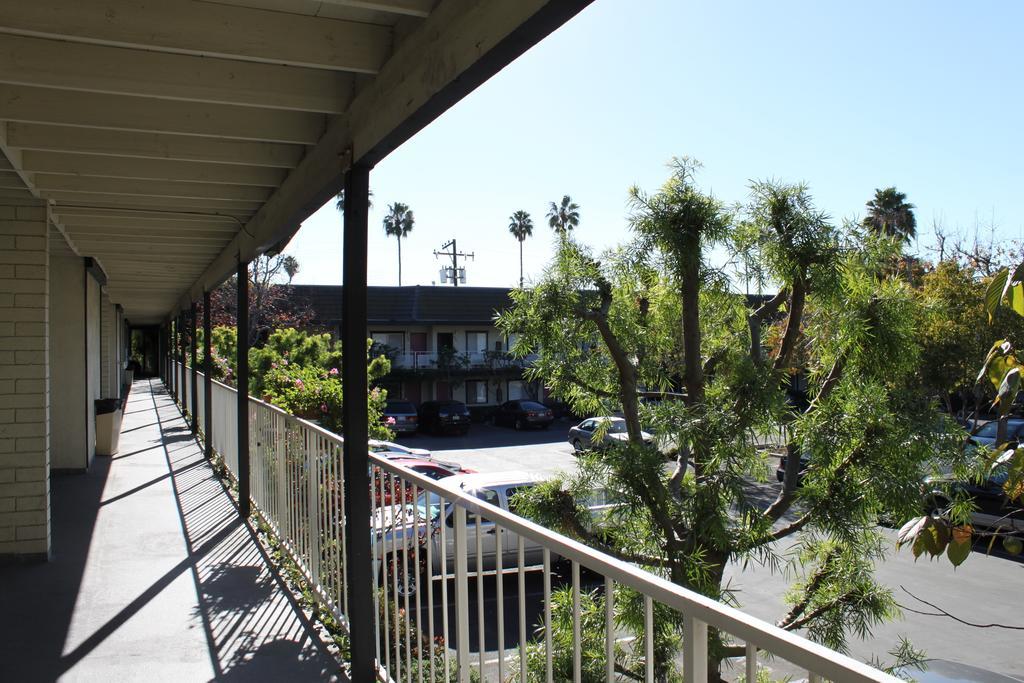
{"points": [[310, 393]]}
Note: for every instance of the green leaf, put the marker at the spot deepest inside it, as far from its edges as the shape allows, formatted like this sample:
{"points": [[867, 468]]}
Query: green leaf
{"points": [[1015, 295], [994, 292], [958, 551], [1008, 388]]}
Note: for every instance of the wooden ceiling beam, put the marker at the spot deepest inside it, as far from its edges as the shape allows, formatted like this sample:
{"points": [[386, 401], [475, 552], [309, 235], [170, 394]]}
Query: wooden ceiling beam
{"points": [[150, 188], [118, 71], [118, 143], [205, 29], [156, 205], [27, 104], [149, 169]]}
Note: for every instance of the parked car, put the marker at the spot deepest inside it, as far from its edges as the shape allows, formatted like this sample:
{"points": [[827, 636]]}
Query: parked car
{"points": [[601, 432], [406, 419], [993, 509], [444, 416], [780, 473], [429, 468], [498, 489], [377, 446], [523, 413], [986, 435]]}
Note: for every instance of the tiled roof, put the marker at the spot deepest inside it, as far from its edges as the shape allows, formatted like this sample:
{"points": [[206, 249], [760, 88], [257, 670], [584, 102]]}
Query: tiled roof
{"points": [[403, 305]]}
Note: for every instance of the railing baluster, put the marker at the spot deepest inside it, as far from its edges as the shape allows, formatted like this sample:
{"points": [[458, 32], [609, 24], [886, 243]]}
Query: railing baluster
{"points": [[377, 553], [549, 671], [394, 579], [419, 588], [695, 644], [479, 533], [313, 472], [444, 587], [429, 523], [649, 642], [813, 677], [461, 596], [405, 572], [500, 584], [577, 659], [521, 552], [384, 571], [751, 663], [609, 625]]}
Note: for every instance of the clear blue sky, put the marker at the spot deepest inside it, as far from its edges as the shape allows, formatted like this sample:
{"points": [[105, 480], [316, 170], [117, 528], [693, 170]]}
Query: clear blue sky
{"points": [[844, 96]]}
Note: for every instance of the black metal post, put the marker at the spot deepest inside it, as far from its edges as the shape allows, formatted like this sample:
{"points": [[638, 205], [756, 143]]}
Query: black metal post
{"points": [[208, 384], [161, 352], [242, 376], [172, 354], [183, 393], [356, 429], [195, 369]]}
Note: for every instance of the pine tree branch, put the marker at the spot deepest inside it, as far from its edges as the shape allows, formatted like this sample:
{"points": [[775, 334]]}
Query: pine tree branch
{"points": [[757, 318], [812, 586], [797, 299]]}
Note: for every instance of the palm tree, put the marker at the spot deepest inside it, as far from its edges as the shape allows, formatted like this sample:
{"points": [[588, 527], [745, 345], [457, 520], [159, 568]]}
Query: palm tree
{"points": [[521, 226], [291, 266], [398, 222], [340, 203], [564, 217], [889, 213]]}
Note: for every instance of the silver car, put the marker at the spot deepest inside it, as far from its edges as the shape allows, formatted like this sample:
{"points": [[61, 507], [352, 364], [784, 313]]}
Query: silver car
{"points": [[601, 432]]}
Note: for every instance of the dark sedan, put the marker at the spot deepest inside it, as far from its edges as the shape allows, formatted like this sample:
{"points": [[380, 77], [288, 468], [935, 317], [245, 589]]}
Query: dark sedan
{"points": [[521, 414], [444, 416]]}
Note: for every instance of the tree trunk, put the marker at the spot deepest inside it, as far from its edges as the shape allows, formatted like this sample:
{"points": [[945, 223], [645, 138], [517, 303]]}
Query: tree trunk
{"points": [[520, 264], [399, 260]]}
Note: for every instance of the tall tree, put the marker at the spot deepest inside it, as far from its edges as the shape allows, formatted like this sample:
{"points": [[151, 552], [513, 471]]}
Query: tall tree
{"points": [[521, 227], [653, 316], [339, 203], [890, 214], [291, 267], [398, 223], [563, 217]]}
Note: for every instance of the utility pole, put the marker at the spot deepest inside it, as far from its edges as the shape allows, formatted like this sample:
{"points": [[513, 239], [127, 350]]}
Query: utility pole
{"points": [[454, 272]]}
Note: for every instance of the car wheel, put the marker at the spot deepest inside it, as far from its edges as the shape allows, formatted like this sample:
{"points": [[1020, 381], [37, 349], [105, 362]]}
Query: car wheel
{"points": [[519, 423], [406, 582], [577, 446]]}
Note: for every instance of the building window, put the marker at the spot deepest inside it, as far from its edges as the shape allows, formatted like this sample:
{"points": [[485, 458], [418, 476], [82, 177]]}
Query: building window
{"points": [[476, 342], [516, 389], [392, 340], [476, 392]]}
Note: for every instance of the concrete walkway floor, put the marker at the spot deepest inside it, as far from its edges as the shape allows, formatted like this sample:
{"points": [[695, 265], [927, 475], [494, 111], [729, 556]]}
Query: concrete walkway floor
{"points": [[153, 576]]}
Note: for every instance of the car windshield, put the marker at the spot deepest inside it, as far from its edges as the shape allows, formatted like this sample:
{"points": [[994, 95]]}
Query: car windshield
{"points": [[400, 407], [531, 405], [614, 426], [988, 430], [428, 505]]}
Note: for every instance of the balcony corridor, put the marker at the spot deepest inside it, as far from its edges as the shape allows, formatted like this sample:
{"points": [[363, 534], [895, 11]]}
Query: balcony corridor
{"points": [[153, 577]]}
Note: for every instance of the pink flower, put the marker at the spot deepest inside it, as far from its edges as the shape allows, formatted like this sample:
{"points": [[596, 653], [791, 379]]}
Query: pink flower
{"points": [[390, 421], [323, 407], [284, 361], [334, 372], [299, 384], [273, 365]]}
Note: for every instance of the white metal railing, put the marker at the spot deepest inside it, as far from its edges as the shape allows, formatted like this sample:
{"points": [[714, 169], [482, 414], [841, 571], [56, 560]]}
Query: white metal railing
{"points": [[297, 486]]}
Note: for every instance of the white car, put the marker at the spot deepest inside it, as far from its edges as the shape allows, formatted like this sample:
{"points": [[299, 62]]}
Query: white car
{"points": [[392, 447], [599, 432]]}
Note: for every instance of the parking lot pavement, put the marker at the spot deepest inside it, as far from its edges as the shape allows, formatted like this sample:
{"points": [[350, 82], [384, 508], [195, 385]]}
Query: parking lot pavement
{"points": [[983, 590], [500, 449]]}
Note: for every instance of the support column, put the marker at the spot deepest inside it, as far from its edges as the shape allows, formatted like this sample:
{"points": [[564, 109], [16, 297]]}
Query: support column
{"points": [[242, 375], [208, 384], [182, 385], [195, 371], [356, 430], [24, 381]]}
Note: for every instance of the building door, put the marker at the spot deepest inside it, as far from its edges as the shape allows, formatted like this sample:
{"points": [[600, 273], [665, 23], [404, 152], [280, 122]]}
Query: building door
{"points": [[442, 391], [445, 340], [413, 393], [418, 342]]}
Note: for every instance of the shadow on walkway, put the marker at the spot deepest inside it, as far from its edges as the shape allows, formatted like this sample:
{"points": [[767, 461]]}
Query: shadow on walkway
{"points": [[153, 575]]}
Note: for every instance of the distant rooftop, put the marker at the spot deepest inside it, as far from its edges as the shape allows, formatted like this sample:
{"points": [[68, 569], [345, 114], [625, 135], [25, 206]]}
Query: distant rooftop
{"points": [[417, 304]]}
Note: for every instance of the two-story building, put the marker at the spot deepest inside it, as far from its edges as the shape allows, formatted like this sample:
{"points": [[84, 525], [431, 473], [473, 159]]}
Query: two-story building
{"points": [[442, 341]]}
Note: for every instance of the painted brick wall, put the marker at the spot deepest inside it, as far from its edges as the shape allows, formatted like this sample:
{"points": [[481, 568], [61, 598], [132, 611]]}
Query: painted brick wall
{"points": [[24, 382]]}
